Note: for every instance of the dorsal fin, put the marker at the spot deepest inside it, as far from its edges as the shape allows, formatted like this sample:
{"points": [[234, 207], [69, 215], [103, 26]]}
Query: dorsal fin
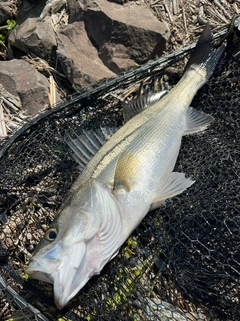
{"points": [[86, 145], [140, 103]]}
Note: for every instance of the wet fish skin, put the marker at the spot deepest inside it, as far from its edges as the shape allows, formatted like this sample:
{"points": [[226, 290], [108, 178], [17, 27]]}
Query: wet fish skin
{"points": [[131, 174]]}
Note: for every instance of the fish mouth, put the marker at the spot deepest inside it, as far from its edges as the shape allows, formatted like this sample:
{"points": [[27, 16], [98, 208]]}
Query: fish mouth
{"points": [[34, 270], [68, 274]]}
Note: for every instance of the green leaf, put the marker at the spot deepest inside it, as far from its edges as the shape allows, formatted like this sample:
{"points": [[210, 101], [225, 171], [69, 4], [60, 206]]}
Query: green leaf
{"points": [[11, 24]]}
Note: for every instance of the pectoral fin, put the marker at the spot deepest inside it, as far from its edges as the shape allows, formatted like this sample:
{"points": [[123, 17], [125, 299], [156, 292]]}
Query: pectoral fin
{"points": [[174, 185], [196, 121]]}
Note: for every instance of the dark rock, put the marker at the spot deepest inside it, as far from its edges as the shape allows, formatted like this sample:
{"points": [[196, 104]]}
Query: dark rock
{"points": [[76, 10], [34, 37], [6, 11], [79, 58], [30, 9], [22, 80], [133, 29], [116, 57]]}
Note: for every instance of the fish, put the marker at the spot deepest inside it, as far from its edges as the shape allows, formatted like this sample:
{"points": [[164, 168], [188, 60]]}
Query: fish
{"points": [[124, 174]]}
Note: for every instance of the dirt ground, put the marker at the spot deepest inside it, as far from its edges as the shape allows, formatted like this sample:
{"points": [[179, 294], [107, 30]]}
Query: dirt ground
{"points": [[187, 18]]}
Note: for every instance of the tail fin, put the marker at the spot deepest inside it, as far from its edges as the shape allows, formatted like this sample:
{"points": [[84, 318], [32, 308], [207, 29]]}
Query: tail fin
{"points": [[204, 54]]}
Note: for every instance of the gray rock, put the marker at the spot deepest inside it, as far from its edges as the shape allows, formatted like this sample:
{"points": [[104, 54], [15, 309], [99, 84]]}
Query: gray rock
{"points": [[76, 10], [22, 80], [6, 11], [34, 37], [116, 57], [125, 35], [79, 58], [30, 9]]}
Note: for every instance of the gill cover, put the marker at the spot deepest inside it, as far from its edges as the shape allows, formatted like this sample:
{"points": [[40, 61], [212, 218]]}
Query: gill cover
{"points": [[89, 233]]}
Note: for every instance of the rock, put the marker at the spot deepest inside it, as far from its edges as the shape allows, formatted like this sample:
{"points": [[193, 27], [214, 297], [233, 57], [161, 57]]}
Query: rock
{"points": [[22, 80], [79, 58], [133, 29], [13, 99], [101, 38], [116, 57], [6, 11], [76, 10], [34, 37]]}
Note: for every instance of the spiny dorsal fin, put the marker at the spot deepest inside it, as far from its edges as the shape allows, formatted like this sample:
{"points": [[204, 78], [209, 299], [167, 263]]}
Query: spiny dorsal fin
{"points": [[140, 103], [86, 145]]}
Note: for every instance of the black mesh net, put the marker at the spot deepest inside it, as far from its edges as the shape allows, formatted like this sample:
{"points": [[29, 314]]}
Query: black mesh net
{"points": [[183, 261]]}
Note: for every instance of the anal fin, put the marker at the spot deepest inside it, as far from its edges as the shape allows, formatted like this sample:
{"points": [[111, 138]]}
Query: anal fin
{"points": [[174, 185], [196, 121]]}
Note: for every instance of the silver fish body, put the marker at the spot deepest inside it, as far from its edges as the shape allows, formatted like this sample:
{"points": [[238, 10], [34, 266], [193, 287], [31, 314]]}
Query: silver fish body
{"points": [[129, 175]]}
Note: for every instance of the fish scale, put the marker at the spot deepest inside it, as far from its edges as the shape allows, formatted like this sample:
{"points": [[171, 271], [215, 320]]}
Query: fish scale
{"points": [[157, 121]]}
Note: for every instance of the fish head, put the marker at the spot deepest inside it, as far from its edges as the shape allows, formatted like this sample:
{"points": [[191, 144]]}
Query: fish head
{"points": [[83, 237]]}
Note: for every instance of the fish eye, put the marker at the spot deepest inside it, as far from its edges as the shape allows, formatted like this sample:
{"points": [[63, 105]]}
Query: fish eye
{"points": [[51, 234]]}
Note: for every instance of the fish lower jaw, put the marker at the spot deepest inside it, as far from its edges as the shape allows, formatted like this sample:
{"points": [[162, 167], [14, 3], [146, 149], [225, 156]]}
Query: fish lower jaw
{"points": [[62, 296]]}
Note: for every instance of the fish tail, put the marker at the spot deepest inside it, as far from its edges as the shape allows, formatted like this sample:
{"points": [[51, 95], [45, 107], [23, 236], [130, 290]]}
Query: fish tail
{"points": [[204, 55]]}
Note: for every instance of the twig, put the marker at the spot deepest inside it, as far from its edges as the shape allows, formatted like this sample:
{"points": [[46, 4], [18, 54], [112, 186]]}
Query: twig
{"points": [[201, 17], [18, 119], [168, 12], [184, 21], [4, 27], [175, 4], [41, 64], [236, 8], [52, 94], [8, 103], [3, 130], [52, 6], [12, 125], [216, 15], [4, 309], [59, 19], [223, 10]]}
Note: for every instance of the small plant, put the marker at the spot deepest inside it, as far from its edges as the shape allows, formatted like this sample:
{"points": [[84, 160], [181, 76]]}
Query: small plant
{"points": [[4, 30]]}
